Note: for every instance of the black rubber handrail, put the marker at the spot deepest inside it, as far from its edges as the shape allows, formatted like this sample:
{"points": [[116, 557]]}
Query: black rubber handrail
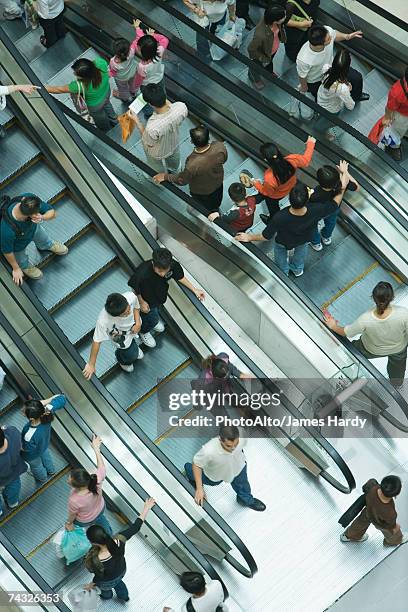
{"points": [[313, 432], [245, 91], [222, 524], [198, 557]]}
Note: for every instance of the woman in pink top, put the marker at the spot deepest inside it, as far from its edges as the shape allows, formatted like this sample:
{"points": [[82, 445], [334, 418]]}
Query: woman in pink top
{"points": [[151, 47], [86, 505]]}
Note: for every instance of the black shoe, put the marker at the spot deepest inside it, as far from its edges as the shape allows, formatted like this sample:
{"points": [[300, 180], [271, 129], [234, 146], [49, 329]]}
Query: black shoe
{"points": [[396, 154], [256, 505], [265, 218], [364, 97]]}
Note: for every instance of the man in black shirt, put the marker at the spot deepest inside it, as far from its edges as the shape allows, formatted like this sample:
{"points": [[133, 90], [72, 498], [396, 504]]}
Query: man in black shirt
{"points": [[329, 186], [150, 282], [295, 226]]}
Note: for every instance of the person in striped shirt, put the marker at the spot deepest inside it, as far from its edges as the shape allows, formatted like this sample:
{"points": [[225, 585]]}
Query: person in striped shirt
{"points": [[161, 134]]}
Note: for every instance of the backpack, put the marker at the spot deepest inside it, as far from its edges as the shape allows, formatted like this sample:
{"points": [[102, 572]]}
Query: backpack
{"points": [[5, 202]]}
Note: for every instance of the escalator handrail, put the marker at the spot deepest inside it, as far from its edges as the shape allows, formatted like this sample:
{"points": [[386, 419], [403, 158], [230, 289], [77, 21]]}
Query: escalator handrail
{"points": [[110, 458], [301, 296], [253, 99], [207, 316], [153, 244]]}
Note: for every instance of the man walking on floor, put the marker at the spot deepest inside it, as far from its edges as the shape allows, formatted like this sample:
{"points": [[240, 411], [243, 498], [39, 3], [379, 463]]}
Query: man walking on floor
{"points": [[203, 171], [379, 511]]}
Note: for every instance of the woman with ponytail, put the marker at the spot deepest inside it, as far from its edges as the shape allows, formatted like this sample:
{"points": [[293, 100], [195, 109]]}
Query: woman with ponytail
{"points": [[35, 435], [280, 176], [106, 557], [86, 505], [384, 332]]}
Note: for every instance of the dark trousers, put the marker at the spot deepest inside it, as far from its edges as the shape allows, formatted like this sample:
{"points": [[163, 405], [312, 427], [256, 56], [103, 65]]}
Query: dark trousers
{"points": [[355, 78], [53, 29], [149, 319], [396, 365], [242, 9], [203, 44], [211, 201], [126, 356], [254, 75], [240, 484], [360, 525]]}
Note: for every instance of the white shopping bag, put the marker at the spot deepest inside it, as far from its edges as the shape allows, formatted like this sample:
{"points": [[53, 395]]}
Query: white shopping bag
{"points": [[57, 539], [389, 138], [299, 110], [231, 34], [83, 600]]}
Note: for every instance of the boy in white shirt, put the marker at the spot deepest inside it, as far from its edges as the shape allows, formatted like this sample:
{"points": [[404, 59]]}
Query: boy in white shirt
{"points": [[204, 597], [119, 321]]}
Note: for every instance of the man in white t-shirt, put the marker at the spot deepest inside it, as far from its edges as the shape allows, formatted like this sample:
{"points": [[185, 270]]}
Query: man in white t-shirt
{"points": [[318, 52], [119, 321], [204, 597], [222, 459]]}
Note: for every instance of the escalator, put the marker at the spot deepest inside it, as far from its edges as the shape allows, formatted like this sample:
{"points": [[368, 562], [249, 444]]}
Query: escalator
{"points": [[351, 266], [43, 507]]}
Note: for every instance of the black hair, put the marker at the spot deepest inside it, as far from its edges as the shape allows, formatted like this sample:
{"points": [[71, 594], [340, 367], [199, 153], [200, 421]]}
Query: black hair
{"points": [[228, 432], [299, 196], [391, 486], [237, 192], [155, 95], [116, 304], [219, 368], [200, 136], [317, 35], [81, 478], [329, 178], [29, 205], [192, 582], [98, 537], [121, 48], [274, 13], [162, 259], [383, 294], [87, 72], [34, 409], [148, 46], [280, 166], [338, 71], [2, 437]]}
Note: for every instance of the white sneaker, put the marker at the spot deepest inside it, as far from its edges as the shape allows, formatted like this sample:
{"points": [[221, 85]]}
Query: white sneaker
{"points": [[297, 274], [13, 505], [159, 328], [326, 241], [140, 354], [127, 368], [316, 247], [147, 339], [344, 538]]}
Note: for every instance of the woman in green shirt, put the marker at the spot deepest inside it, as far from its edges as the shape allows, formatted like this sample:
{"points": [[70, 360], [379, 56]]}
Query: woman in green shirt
{"points": [[91, 80]]}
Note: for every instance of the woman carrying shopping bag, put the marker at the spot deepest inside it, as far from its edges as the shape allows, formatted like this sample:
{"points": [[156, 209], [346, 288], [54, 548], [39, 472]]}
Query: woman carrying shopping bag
{"points": [[106, 558], [86, 505], [209, 14], [35, 435], [396, 114]]}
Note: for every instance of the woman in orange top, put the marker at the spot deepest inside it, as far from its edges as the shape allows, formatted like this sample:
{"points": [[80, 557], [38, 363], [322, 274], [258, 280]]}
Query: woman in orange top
{"points": [[280, 177]]}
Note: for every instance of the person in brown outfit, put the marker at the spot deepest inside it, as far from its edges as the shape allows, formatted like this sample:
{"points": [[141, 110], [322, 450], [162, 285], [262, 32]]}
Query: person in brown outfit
{"points": [[203, 171], [379, 511], [269, 33]]}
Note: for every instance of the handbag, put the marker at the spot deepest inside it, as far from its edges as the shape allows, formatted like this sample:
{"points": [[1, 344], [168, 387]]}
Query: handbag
{"points": [[354, 510], [231, 34], [298, 17], [81, 105], [75, 544]]}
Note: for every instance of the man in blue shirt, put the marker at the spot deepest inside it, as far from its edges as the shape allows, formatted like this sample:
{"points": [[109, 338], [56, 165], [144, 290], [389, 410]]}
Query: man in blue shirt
{"points": [[20, 225]]}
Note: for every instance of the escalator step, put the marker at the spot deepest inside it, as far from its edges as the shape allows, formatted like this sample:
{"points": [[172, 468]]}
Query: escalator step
{"points": [[15, 29], [156, 364], [106, 357], [178, 453], [148, 414], [46, 514], [7, 396], [38, 179], [65, 51], [30, 47], [5, 116], [78, 316], [16, 150], [64, 274]]}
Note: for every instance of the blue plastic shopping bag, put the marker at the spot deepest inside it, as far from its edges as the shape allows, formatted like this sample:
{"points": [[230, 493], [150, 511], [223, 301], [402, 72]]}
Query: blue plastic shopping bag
{"points": [[75, 544]]}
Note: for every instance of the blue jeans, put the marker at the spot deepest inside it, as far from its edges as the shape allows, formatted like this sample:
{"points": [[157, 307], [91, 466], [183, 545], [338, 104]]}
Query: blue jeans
{"points": [[99, 520], [41, 241], [117, 584], [128, 355], [203, 44], [327, 229], [297, 261], [42, 466], [149, 319], [11, 493], [240, 484]]}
